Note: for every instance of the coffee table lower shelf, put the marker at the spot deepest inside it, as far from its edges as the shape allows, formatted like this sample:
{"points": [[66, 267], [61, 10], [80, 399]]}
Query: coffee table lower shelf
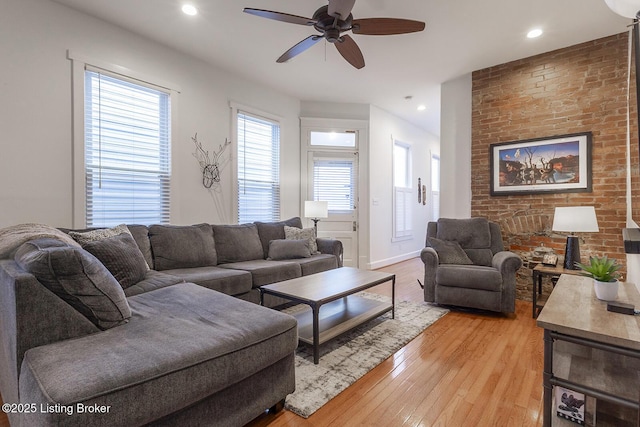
{"points": [[338, 317]]}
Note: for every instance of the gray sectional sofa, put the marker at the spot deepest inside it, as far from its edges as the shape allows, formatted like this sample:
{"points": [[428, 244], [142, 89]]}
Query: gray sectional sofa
{"points": [[157, 325]]}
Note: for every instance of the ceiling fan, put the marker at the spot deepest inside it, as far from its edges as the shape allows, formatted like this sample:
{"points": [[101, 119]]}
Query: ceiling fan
{"points": [[335, 19]]}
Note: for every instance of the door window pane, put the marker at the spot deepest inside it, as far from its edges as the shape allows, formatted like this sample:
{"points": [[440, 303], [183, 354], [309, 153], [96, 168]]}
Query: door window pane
{"points": [[334, 181]]}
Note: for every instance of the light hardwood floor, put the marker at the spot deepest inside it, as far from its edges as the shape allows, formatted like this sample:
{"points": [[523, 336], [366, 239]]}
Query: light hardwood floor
{"points": [[470, 368]]}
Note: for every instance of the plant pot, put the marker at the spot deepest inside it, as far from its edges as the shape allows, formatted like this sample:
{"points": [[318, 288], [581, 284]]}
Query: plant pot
{"points": [[606, 291]]}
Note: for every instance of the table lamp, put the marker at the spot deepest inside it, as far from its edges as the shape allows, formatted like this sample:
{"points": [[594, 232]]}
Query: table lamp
{"points": [[315, 210], [574, 219]]}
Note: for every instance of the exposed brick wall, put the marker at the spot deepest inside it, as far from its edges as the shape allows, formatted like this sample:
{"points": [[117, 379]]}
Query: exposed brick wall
{"points": [[577, 89]]}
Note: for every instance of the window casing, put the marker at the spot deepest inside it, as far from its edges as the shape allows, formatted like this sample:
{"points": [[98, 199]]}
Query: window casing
{"points": [[127, 152], [258, 168]]}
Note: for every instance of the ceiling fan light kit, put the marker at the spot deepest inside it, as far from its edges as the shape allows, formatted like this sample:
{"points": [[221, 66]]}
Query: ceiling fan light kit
{"points": [[334, 19]]}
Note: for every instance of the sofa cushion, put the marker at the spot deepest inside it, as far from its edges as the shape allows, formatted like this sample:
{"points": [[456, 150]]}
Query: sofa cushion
{"points": [[288, 249], [449, 252], [269, 231], [153, 280], [309, 234], [230, 282], [140, 234], [316, 263], [77, 277], [182, 246], [183, 344], [264, 272], [470, 277], [470, 233], [236, 243], [122, 257]]}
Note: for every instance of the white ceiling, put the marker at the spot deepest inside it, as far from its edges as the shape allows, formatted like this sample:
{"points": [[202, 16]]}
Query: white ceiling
{"points": [[461, 36]]}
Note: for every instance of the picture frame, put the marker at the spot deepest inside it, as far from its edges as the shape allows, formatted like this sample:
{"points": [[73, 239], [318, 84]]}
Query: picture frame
{"points": [[550, 259], [554, 164]]}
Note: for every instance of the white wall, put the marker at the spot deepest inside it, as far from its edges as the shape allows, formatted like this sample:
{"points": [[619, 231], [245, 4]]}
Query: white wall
{"points": [[36, 114], [334, 110], [383, 129], [455, 148]]}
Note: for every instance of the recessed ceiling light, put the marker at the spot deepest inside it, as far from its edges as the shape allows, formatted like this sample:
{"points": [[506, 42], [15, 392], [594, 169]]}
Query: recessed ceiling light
{"points": [[537, 32], [422, 107], [189, 9]]}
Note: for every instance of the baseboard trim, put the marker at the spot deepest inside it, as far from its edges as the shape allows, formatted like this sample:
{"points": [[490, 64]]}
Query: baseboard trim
{"points": [[394, 260]]}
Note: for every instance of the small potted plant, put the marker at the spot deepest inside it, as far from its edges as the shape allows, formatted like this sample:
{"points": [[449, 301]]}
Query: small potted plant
{"points": [[605, 276]]}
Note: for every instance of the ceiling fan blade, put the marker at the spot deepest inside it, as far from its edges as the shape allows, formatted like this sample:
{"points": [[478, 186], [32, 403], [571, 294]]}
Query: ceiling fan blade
{"points": [[350, 51], [386, 26], [279, 16], [299, 48], [340, 8]]}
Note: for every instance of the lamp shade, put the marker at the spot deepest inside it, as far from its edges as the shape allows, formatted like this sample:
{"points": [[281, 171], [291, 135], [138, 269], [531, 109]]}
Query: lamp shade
{"points": [[575, 219], [626, 8], [316, 209]]}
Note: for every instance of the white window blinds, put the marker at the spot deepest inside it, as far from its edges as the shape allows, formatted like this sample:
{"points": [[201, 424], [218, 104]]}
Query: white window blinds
{"points": [[334, 181], [127, 152], [402, 192], [258, 169]]}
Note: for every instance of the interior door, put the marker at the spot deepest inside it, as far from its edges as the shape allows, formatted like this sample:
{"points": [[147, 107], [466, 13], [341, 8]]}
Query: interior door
{"points": [[333, 177]]}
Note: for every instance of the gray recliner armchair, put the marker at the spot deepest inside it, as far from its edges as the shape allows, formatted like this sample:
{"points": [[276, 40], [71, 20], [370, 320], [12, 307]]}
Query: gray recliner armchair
{"points": [[465, 265]]}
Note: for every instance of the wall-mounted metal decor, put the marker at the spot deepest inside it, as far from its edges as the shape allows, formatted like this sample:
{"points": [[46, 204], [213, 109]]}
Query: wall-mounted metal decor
{"points": [[543, 165], [210, 166]]}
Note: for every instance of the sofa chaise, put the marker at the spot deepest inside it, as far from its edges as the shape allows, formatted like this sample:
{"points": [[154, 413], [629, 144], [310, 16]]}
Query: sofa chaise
{"points": [[153, 326]]}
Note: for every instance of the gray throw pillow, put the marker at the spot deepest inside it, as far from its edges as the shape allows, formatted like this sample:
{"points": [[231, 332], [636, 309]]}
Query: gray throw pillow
{"points": [[269, 231], [182, 246], [88, 236], [78, 278], [309, 234], [288, 249], [122, 257], [84, 237], [237, 243], [449, 252]]}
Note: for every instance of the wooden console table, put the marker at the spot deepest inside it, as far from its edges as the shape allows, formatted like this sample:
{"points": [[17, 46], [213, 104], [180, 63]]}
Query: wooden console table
{"points": [[574, 315]]}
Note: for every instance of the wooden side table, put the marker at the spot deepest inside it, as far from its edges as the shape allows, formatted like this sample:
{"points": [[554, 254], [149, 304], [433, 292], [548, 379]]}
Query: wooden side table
{"points": [[539, 272]]}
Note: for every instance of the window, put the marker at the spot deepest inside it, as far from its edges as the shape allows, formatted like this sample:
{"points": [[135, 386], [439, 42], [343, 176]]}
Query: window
{"points": [[333, 139], [435, 187], [258, 169], [402, 192], [126, 151], [334, 181]]}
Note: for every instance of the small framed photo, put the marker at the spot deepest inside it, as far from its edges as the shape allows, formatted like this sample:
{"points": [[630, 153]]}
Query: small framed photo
{"points": [[570, 405], [550, 259]]}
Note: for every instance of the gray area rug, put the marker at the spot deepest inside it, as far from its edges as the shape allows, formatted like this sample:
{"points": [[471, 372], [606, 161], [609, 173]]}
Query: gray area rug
{"points": [[348, 357]]}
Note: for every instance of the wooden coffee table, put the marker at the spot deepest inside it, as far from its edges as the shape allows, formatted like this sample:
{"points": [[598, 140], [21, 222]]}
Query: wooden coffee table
{"points": [[333, 290]]}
